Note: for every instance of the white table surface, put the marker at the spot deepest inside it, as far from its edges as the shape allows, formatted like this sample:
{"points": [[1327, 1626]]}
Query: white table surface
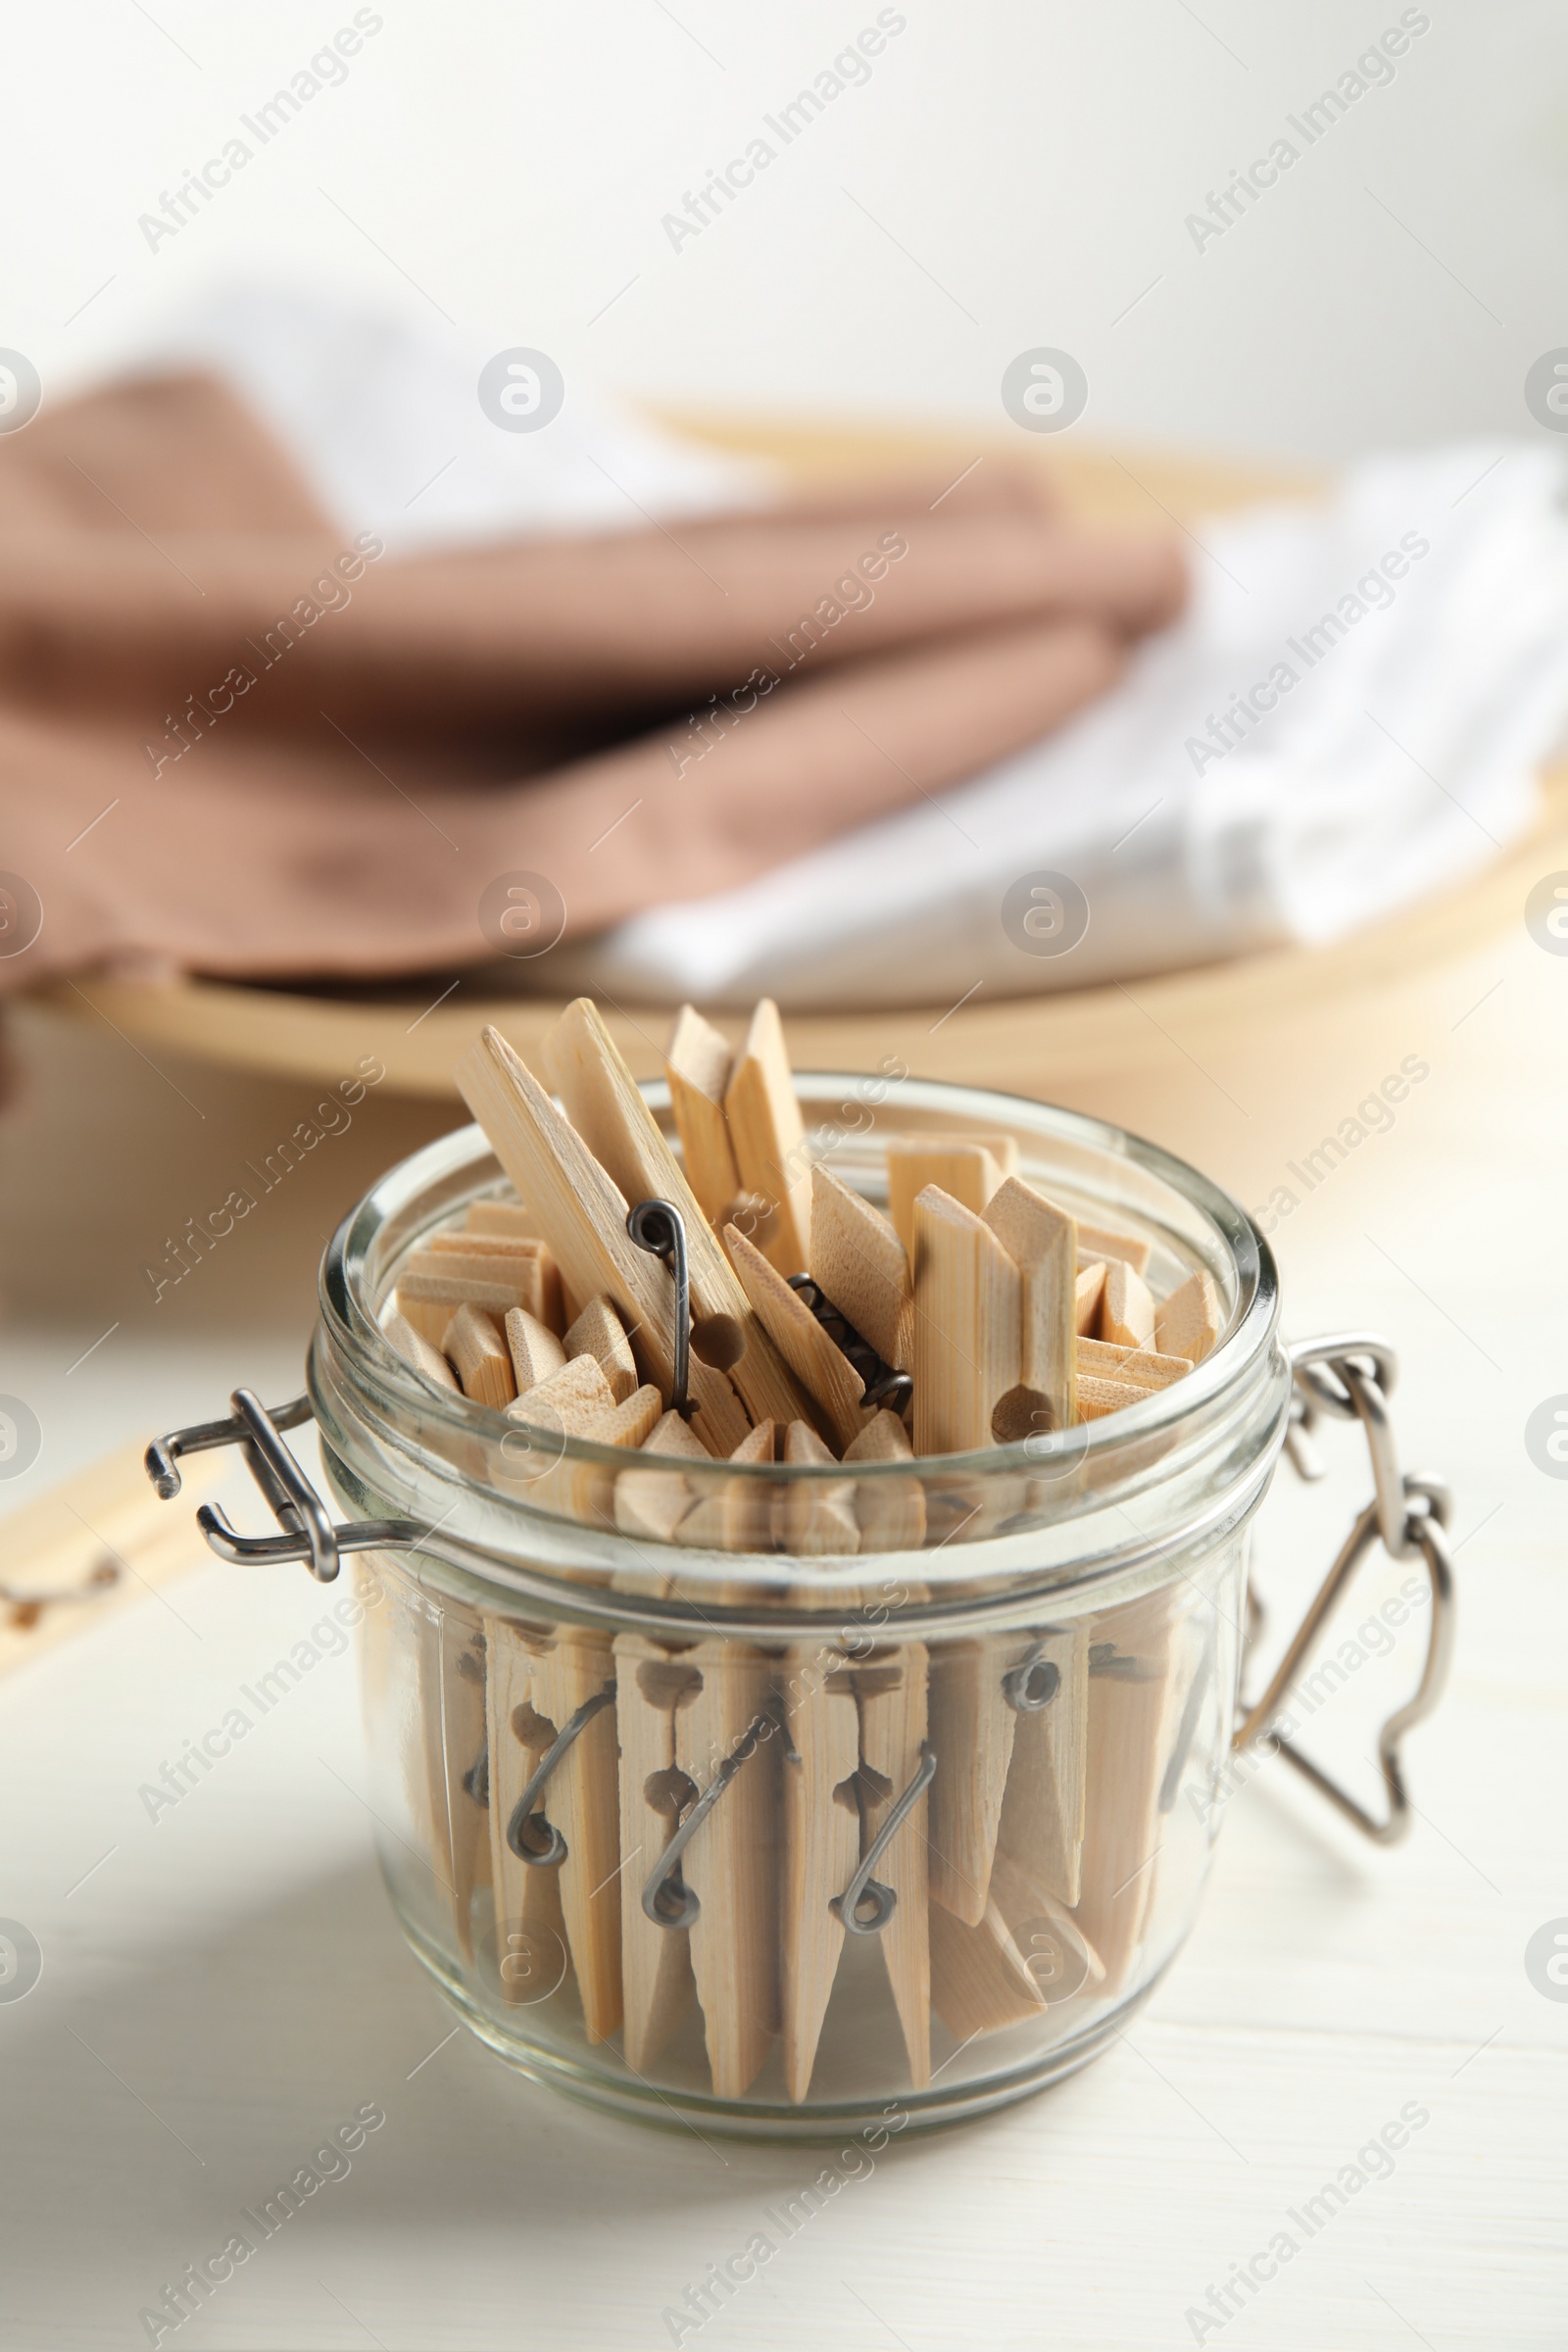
{"points": [[223, 1986]]}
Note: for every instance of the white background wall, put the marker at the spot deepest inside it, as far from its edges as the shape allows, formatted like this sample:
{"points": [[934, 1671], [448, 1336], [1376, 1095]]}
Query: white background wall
{"points": [[1024, 167]]}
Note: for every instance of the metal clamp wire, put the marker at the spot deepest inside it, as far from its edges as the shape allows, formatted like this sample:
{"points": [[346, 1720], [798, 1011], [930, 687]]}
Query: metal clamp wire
{"points": [[863, 1887], [658, 1227], [523, 1816], [667, 1900]]}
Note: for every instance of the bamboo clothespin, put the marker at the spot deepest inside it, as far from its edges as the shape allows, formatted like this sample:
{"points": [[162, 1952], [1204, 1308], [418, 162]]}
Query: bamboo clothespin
{"points": [[1129, 1705], [503, 1217], [416, 1349], [480, 1248], [1188, 1322], [582, 1801], [1098, 1395], [653, 1681], [568, 1401], [1104, 1241], [585, 1217], [1042, 1240], [451, 1684], [433, 1284], [967, 1326], [1041, 1831], [531, 1927], [1127, 1310], [600, 1333], [966, 1167], [1135, 1364], [652, 1503], [478, 1354], [732, 1863], [696, 1063], [768, 1138], [611, 1117], [827, 1379], [889, 1512], [891, 1694], [818, 1517], [821, 1842], [1088, 1293], [736, 1514], [859, 1263], [536, 1352]]}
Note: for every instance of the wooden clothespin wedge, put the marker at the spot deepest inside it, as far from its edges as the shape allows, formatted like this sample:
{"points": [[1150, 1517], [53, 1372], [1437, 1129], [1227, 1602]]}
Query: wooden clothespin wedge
{"points": [[568, 1401], [1042, 1240], [584, 1216], [817, 1518], [600, 1333], [582, 1801], [731, 1865], [967, 1167], [828, 1380], [452, 1701], [821, 1842], [735, 1514], [1127, 1310], [1104, 1241], [1137, 1364], [433, 1284], [473, 1343], [612, 1117], [972, 1724], [1129, 1707], [479, 1248], [1088, 1293], [980, 1980], [536, 1352], [858, 1262], [499, 1217], [652, 1682], [891, 1694], [652, 1503], [697, 1063], [968, 1313], [889, 1512], [1041, 1831], [1099, 1395], [1188, 1322], [768, 1138], [531, 1927], [416, 1349]]}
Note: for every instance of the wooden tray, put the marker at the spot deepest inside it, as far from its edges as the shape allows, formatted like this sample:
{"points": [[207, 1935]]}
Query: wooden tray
{"points": [[1170, 1055]]}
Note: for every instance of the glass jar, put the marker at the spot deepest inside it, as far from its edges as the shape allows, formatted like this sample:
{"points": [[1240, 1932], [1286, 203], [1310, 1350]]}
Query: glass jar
{"points": [[791, 1800]]}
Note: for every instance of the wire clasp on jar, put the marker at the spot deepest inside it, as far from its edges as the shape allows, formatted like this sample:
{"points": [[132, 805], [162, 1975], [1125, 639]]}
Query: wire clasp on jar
{"points": [[1349, 1378]]}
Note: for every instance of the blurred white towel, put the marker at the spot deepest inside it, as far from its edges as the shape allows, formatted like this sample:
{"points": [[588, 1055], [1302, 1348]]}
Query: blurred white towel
{"points": [[1412, 631]]}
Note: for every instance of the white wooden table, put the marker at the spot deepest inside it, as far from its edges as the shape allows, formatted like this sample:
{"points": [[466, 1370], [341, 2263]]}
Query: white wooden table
{"points": [[224, 1985]]}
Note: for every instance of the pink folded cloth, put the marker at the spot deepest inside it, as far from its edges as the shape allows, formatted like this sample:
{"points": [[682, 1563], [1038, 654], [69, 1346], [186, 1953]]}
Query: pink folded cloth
{"points": [[231, 743]]}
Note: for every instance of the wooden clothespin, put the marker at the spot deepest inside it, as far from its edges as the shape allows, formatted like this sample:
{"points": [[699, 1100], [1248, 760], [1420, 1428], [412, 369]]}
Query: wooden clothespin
{"points": [[829, 1384], [653, 1681], [816, 1519], [696, 1063], [530, 1923], [968, 1308], [581, 1800], [1188, 1322], [652, 1503], [417, 1351], [433, 1284], [1136, 1364], [858, 1262], [769, 1139], [821, 1842], [731, 1864], [497, 1217], [1129, 1706], [1041, 1831], [891, 1694], [1088, 1293], [536, 1352], [889, 1512], [1127, 1310], [737, 1513], [584, 1214], [611, 1117], [1042, 1240], [600, 1333], [1106, 1242], [451, 1685], [966, 1167], [473, 1343]]}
